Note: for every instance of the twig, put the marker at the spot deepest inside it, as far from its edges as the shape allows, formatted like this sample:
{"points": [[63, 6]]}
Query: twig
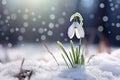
{"points": [[24, 73], [90, 58], [51, 53]]}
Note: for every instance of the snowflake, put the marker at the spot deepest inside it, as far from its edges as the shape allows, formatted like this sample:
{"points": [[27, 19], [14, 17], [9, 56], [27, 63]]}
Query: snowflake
{"points": [[117, 24], [25, 24], [41, 30], [50, 33], [105, 18], [13, 16], [117, 37], [51, 25], [43, 37], [10, 45], [22, 30], [61, 20], [20, 38], [102, 5], [52, 16], [4, 2], [100, 28]]}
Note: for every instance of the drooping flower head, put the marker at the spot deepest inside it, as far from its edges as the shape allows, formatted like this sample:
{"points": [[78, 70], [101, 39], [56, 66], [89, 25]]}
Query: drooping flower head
{"points": [[76, 27]]}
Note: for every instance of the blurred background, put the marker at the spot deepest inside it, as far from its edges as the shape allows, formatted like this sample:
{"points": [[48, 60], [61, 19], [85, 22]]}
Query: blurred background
{"points": [[36, 21]]}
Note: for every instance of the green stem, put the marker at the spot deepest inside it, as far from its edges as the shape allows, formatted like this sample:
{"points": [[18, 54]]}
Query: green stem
{"points": [[79, 48]]}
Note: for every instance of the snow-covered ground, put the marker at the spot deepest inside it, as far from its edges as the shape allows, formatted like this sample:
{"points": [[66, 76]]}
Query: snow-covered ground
{"points": [[100, 67]]}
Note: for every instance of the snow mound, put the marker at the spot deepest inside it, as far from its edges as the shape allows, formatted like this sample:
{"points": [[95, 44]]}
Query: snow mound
{"points": [[43, 72]]}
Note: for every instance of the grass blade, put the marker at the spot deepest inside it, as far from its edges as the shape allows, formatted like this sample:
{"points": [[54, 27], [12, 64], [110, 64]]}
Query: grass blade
{"points": [[72, 58], [63, 49], [82, 58], [65, 60], [77, 56], [72, 48]]}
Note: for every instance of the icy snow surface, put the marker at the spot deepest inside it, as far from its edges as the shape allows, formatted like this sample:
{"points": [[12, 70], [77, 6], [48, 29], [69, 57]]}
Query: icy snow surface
{"points": [[101, 66]]}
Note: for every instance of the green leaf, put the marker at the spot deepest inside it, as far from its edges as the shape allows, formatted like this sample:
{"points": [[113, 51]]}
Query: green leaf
{"points": [[77, 55], [63, 49], [82, 58], [65, 60], [72, 58], [72, 48]]}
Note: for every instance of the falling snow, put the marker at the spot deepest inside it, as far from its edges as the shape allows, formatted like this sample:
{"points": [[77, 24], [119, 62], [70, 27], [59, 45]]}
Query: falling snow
{"points": [[51, 25], [4, 2], [105, 18], [52, 16], [102, 5]]}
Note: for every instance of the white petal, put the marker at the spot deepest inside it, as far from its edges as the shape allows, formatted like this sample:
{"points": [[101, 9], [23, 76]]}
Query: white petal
{"points": [[79, 31], [71, 31]]}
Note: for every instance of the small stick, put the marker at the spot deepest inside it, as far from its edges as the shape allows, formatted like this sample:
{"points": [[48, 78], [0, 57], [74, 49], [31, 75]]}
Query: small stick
{"points": [[51, 53], [22, 64]]}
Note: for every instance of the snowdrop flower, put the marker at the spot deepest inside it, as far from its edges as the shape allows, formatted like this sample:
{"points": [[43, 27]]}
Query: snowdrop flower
{"points": [[76, 27]]}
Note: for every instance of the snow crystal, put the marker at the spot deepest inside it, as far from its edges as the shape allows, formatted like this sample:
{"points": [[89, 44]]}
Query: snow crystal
{"points": [[45, 29], [51, 25], [105, 18], [6, 38], [25, 16], [4, 2], [118, 1], [6, 21], [116, 6], [117, 37], [12, 30], [113, 24], [64, 13], [43, 22], [52, 16], [50, 33], [61, 20], [109, 32], [111, 4], [40, 30], [9, 44], [33, 29], [37, 39], [16, 29], [102, 5], [118, 16], [20, 38], [8, 17], [112, 9], [61, 34], [22, 30], [43, 37], [25, 24], [56, 25], [117, 24], [13, 16], [100, 28], [65, 39]]}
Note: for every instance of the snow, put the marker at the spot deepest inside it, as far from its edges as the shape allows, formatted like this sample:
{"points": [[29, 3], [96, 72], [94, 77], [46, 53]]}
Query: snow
{"points": [[100, 67]]}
